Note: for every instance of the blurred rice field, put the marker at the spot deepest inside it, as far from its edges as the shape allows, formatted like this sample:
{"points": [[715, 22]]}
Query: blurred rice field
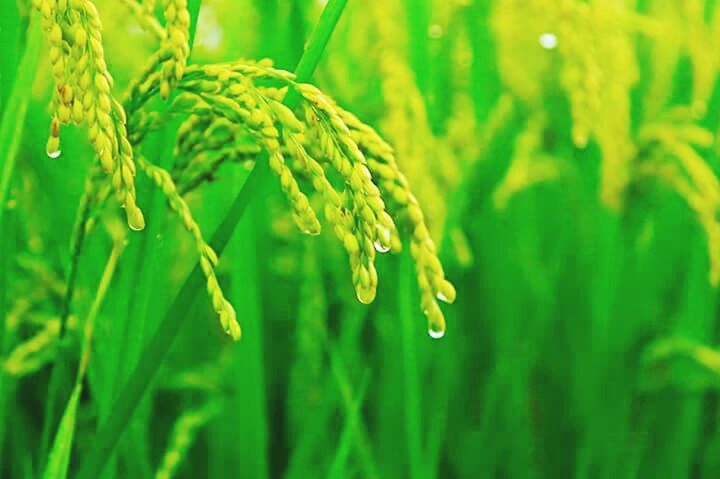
{"points": [[565, 157]]}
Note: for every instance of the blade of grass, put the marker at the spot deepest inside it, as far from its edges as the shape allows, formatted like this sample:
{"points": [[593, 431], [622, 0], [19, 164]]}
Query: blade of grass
{"points": [[149, 243], [11, 129], [146, 258], [250, 413], [59, 458], [348, 436], [411, 381], [11, 28], [159, 344], [13, 119]]}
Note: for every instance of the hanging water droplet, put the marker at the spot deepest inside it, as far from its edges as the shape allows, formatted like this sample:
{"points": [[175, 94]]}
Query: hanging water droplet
{"points": [[436, 332], [381, 248], [446, 292], [383, 239], [311, 232], [135, 218], [54, 154], [309, 226], [548, 40]]}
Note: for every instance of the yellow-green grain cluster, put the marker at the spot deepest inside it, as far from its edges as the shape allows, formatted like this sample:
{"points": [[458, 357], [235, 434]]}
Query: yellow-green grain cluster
{"points": [[182, 436], [394, 186], [673, 145], [176, 42], [82, 94], [232, 114], [208, 258], [592, 44], [529, 166]]}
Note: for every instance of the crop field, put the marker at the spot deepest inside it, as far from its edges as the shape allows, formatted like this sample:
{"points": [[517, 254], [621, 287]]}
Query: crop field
{"points": [[376, 239]]}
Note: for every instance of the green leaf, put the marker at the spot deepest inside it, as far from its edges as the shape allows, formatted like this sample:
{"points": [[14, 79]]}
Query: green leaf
{"points": [[13, 119], [59, 459]]}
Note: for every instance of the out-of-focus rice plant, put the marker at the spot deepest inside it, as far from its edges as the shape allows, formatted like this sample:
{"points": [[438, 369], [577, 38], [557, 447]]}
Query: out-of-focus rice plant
{"points": [[556, 161]]}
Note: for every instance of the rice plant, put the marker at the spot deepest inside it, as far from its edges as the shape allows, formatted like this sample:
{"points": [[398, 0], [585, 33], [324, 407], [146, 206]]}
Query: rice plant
{"points": [[422, 239]]}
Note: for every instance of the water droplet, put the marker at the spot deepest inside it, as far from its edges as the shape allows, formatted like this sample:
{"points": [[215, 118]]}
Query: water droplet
{"points": [[311, 232], [135, 218], [436, 332], [446, 292], [548, 41], [435, 31], [381, 248], [54, 154], [383, 239]]}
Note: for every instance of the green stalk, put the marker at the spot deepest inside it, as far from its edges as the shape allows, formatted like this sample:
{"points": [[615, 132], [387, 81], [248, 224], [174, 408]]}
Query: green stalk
{"points": [[13, 119], [353, 420], [160, 343], [11, 29], [143, 263], [247, 409], [59, 457], [60, 376], [411, 380], [11, 130], [146, 254]]}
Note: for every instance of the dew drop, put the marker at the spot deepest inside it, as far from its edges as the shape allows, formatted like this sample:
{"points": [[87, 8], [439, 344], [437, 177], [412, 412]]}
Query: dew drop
{"points": [[436, 332], [446, 292], [384, 239], [54, 154], [381, 248], [135, 219], [548, 40], [311, 232]]}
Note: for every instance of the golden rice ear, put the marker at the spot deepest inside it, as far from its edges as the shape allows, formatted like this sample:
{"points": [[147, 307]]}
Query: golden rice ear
{"points": [[207, 256], [402, 204], [82, 93], [182, 436], [676, 162], [177, 42], [528, 166]]}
